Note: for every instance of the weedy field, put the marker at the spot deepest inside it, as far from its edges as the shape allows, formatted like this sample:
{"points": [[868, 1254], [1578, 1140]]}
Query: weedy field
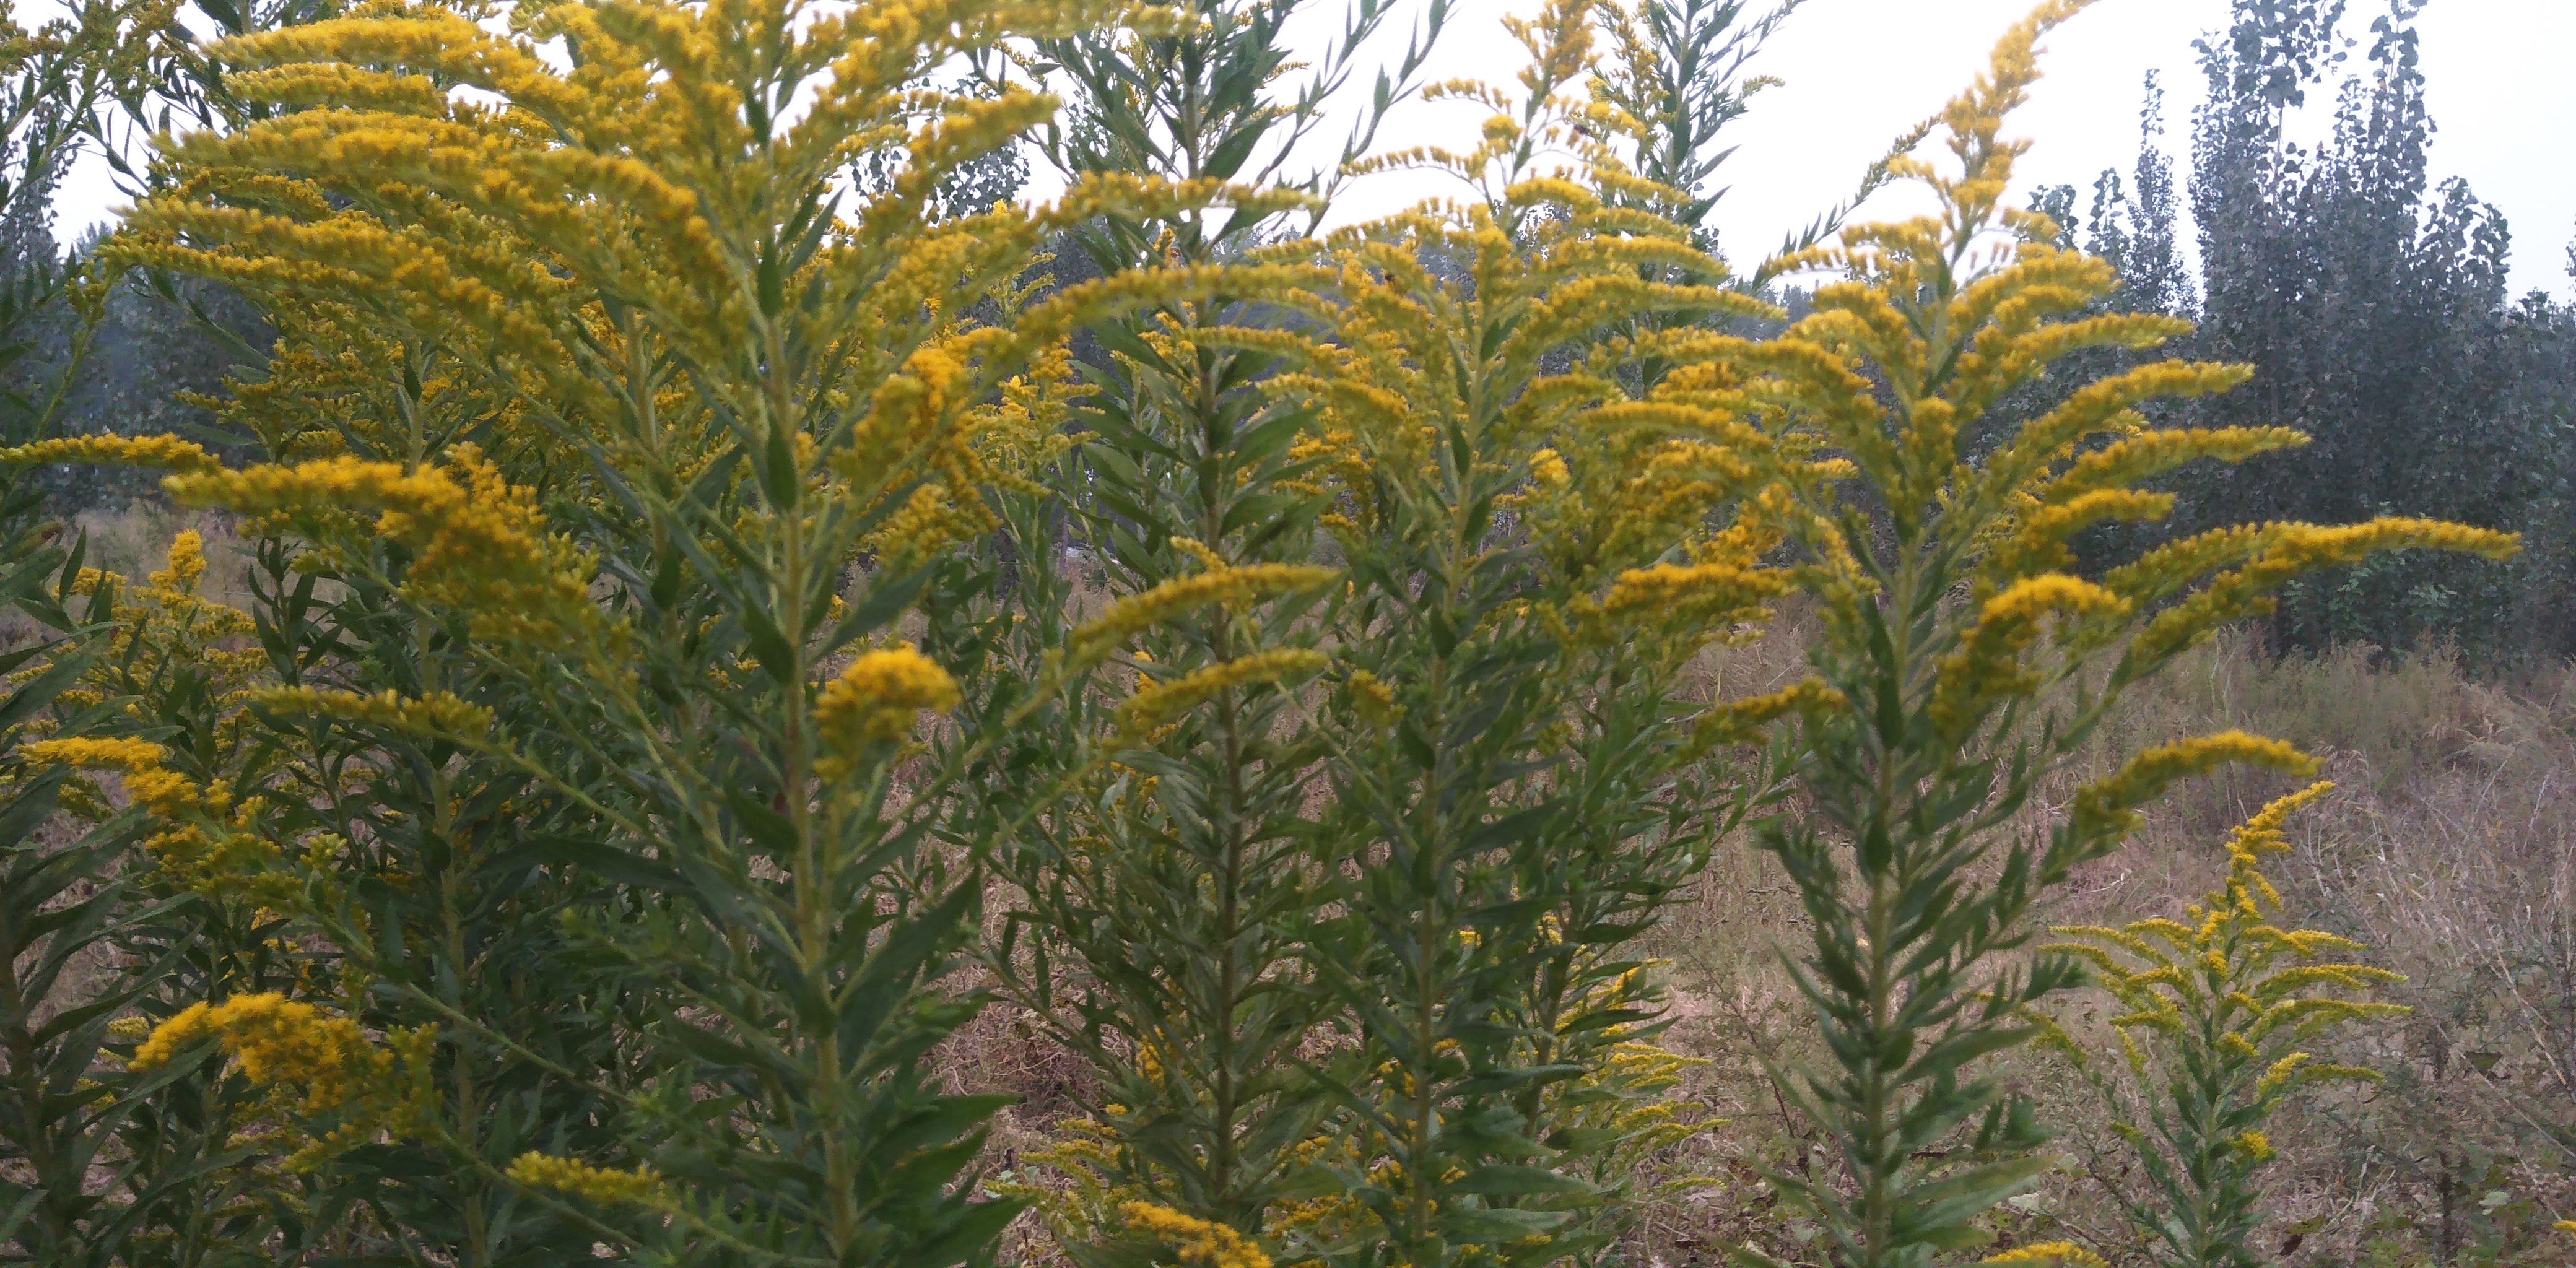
{"points": [[718, 712], [2445, 849]]}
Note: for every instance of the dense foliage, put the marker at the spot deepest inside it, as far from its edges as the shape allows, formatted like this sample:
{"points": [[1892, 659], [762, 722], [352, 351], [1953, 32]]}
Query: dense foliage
{"points": [[720, 615], [2372, 303]]}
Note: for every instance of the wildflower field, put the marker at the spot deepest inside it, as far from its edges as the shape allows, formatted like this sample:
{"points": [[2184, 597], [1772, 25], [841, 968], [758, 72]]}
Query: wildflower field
{"points": [[713, 696]]}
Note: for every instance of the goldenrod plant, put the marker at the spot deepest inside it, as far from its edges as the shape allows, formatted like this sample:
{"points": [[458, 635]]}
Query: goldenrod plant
{"points": [[608, 452], [1162, 920], [1676, 74], [177, 902], [98, 1164], [61, 901], [695, 601], [1169, 925], [1533, 552], [1960, 660], [2218, 1010]]}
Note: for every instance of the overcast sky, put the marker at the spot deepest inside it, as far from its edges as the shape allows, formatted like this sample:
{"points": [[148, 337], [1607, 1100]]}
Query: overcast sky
{"points": [[2502, 76]]}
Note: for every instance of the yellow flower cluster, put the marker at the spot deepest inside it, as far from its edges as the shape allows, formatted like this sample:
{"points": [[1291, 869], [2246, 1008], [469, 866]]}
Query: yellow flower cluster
{"points": [[1629, 1094], [931, 519], [874, 702], [186, 566], [320, 1064], [1196, 1241], [481, 545], [439, 713], [203, 838], [207, 841], [1085, 1156], [1988, 664], [604, 1185], [1159, 703], [1373, 700], [277, 1041], [166, 624], [168, 453], [1702, 594]]}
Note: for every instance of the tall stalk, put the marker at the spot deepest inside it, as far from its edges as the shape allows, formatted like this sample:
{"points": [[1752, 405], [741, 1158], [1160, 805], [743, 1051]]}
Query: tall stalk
{"points": [[1162, 916], [1936, 709]]}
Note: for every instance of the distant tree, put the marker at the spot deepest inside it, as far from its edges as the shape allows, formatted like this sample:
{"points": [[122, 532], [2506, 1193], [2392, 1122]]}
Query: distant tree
{"points": [[2373, 306], [974, 186], [2136, 227]]}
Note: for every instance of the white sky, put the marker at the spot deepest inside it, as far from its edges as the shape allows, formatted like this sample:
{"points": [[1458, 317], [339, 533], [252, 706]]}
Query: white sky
{"points": [[2502, 85]]}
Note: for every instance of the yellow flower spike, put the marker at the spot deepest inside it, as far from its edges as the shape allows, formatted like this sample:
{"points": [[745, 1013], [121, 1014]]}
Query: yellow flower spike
{"points": [[1373, 699], [2143, 777], [2276, 1075], [2265, 557], [1700, 593], [186, 566], [130, 756], [1988, 664], [440, 714], [1195, 1241], [1161, 703], [1742, 721], [2049, 1255], [289, 1046], [1199, 551], [1097, 638], [606, 1186], [481, 544], [166, 452]]}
